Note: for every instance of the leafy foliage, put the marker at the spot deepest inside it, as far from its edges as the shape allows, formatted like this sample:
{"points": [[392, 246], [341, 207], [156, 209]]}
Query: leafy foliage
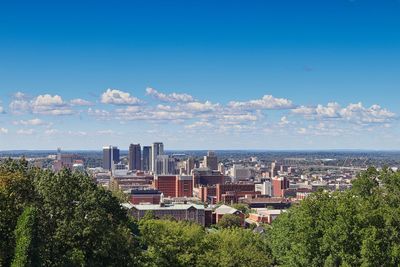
{"points": [[235, 247], [26, 240], [230, 220], [171, 243], [359, 227], [76, 222]]}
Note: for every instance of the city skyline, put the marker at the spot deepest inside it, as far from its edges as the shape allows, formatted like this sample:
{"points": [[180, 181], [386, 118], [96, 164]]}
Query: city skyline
{"points": [[226, 75]]}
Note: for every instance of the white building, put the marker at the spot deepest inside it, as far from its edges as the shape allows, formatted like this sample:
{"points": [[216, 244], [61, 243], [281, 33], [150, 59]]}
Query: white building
{"points": [[264, 187]]}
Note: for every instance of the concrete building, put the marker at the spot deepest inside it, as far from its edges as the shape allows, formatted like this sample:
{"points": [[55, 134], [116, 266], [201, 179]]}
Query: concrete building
{"points": [[147, 156], [135, 157], [189, 165], [164, 165], [156, 149], [221, 168], [110, 156], [66, 161], [265, 188], [211, 161], [205, 176], [240, 173]]}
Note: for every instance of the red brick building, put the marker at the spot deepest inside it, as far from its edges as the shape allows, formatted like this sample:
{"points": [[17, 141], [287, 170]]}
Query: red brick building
{"points": [[145, 196], [279, 185], [184, 186], [166, 184], [174, 185]]}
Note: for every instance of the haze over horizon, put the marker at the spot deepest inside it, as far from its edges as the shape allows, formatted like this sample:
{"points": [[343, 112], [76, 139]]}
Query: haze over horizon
{"points": [[270, 75]]}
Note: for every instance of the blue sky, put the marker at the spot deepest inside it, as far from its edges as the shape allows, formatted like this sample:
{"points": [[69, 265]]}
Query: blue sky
{"points": [[200, 74]]}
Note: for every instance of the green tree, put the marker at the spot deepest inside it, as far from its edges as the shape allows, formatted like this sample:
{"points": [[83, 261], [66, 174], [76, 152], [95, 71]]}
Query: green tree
{"points": [[77, 222], [244, 208], [26, 254], [171, 243], [230, 220], [16, 191], [235, 247], [359, 227]]}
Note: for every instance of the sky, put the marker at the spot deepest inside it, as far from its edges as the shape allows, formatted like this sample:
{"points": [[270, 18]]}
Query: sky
{"points": [[203, 74]]}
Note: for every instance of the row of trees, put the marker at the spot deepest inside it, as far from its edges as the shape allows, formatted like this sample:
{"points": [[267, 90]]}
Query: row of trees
{"points": [[359, 227], [64, 219]]}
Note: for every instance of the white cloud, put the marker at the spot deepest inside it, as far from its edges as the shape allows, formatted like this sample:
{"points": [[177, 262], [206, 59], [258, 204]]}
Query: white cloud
{"points": [[284, 121], [266, 102], [42, 104], [20, 95], [2, 111], [117, 97], [33, 122], [239, 117], [19, 106], [48, 100], [50, 132], [3, 131], [173, 97], [26, 132], [106, 132], [355, 113], [198, 124], [80, 102], [201, 107], [302, 130], [303, 110]]}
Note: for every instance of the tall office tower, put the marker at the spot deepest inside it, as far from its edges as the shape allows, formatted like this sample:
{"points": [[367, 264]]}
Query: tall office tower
{"points": [[146, 158], [135, 157], [221, 168], [189, 165], [156, 149], [274, 170], [165, 165], [110, 153], [211, 161]]}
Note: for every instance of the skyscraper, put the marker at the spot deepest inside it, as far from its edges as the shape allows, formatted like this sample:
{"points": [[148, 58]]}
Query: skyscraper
{"points": [[146, 158], [211, 161], [164, 165], [156, 150], [189, 165], [110, 153], [135, 157]]}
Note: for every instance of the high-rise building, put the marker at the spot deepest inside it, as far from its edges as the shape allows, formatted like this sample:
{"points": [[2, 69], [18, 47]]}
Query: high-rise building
{"points": [[146, 158], [135, 157], [189, 165], [156, 150], [164, 165], [211, 161], [221, 168], [110, 153]]}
